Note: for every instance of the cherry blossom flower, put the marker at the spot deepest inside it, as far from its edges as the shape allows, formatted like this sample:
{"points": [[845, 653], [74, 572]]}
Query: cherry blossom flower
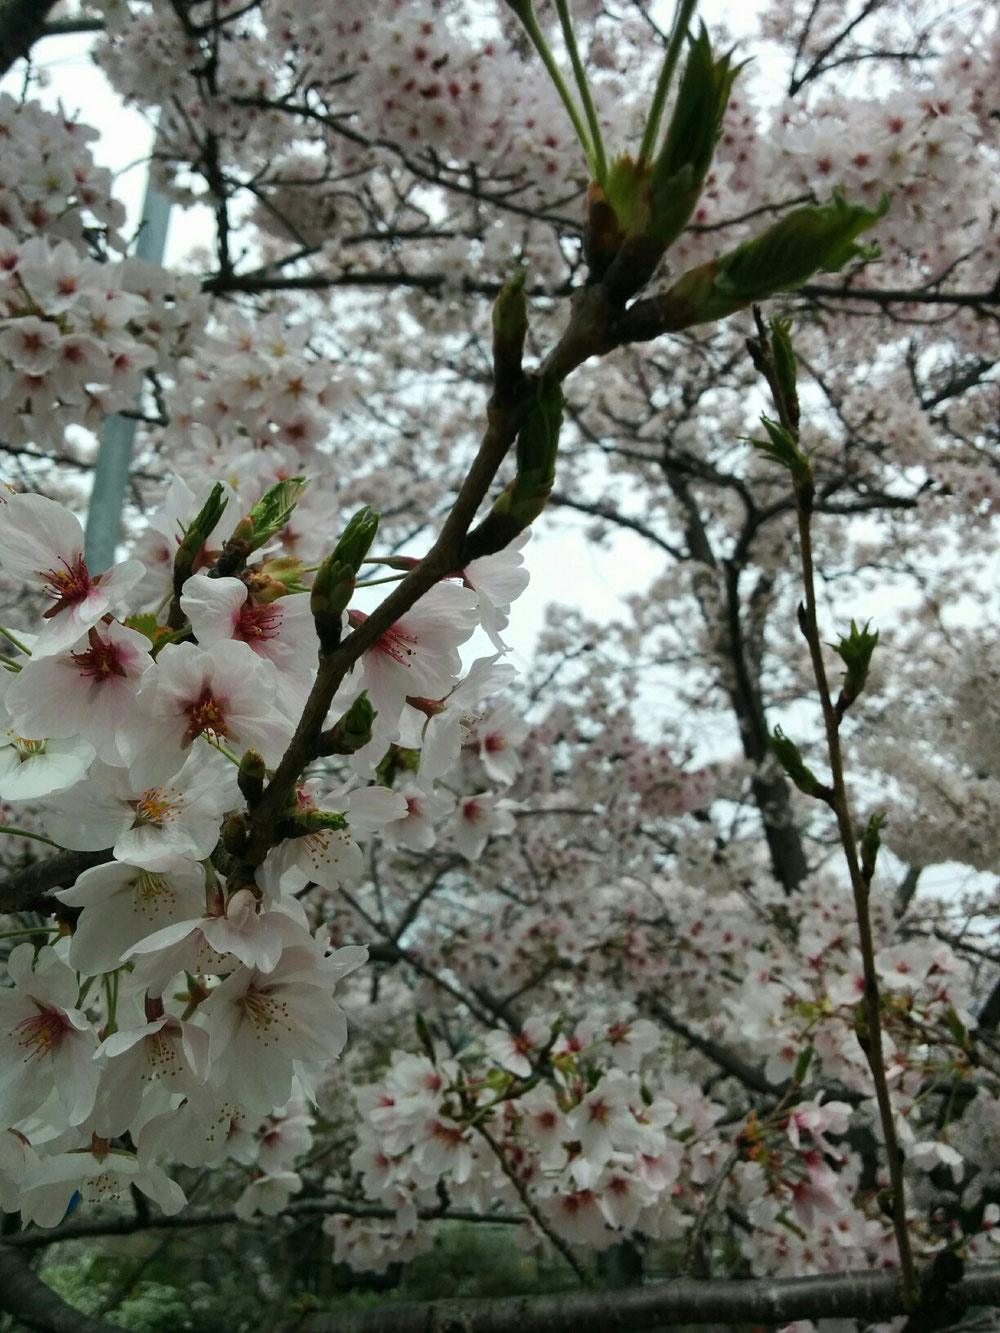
{"points": [[479, 818], [418, 655], [280, 631], [817, 1119], [163, 1052], [123, 904], [89, 690], [260, 1023], [512, 1052], [46, 1042], [267, 1194], [41, 541], [448, 726], [214, 941], [500, 732], [499, 580], [98, 1173], [30, 768], [225, 693], [417, 829]]}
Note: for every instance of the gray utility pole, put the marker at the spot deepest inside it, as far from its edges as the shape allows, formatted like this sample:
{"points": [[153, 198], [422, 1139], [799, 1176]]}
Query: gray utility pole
{"points": [[114, 457]]}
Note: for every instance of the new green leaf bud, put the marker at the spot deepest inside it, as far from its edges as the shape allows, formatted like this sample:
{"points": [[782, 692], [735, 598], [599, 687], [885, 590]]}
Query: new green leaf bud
{"points": [[196, 534], [781, 448], [234, 835], [855, 651], [802, 1064], [523, 498], [789, 253], [424, 1036], [144, 622], [275, 578], [783, 257], [871, 841], [686, 155], [790, 758], [784, 366], [957, 1029], [268, 516], [353, 731], [319, 821], [333, 584]]}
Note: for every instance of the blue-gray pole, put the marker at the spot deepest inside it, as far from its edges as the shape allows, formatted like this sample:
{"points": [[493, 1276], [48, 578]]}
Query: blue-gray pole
{"points": [[114, 457]]}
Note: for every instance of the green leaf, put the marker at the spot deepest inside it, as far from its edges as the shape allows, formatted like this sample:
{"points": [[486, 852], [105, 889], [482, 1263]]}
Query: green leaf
{"points": [[789, 756], [269, 515]]}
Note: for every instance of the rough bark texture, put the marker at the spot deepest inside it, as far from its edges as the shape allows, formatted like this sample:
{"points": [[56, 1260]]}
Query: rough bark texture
{"points": [[642, 1309], [25, 890]]}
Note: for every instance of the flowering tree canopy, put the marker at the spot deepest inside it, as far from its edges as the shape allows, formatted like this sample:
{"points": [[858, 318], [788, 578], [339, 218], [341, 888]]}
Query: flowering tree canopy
{"points": [[679, 943]]}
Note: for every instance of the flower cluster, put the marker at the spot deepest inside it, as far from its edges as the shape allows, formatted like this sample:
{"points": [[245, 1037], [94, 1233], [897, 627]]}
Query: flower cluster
{"points": [[576, 1131], [183, 999]]}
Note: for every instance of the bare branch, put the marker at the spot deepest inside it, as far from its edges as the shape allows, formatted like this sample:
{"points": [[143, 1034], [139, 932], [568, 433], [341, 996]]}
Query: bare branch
{"points": [[770, 1301]]}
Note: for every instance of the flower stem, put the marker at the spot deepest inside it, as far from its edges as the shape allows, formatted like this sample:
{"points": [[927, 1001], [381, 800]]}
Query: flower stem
{"points": [[24, 833], [526, 14], [599, 169], [837, 799], [682, 19], [371, 583], [15, 640]]}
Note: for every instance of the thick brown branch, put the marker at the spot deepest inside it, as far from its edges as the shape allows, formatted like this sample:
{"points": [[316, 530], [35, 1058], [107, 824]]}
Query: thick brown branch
{"points": [[770, 1301], [22, 891], [22, 23], [25, 1296], [127, 1225]]}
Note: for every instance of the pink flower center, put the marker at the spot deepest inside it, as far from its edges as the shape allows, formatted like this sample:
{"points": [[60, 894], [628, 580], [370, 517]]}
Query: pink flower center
{"points": [[205, 717], [40, 1033], [102, 659], [397, 644], [257, 623], [67, 586], [449, 1135]]}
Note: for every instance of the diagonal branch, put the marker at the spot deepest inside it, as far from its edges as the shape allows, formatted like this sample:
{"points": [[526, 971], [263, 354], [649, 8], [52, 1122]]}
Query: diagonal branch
{"points": [[25, 1296]]}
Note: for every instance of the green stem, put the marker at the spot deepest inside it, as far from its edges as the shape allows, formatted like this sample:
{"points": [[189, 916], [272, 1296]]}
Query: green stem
{"points": [[530, 24], [29, 930], [372, 583], [682, 20], [15, 640], [24, 833], [599, 171]]}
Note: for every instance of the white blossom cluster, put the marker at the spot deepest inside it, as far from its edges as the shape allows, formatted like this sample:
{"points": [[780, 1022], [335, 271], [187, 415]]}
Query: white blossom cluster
{"points": [[178, 1010]]}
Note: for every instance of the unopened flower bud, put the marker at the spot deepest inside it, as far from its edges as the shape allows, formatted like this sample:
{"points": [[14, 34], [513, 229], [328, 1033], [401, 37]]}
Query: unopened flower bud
{"points": [[196, 534], [251, 775], [353, 731], [333, 585]]}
